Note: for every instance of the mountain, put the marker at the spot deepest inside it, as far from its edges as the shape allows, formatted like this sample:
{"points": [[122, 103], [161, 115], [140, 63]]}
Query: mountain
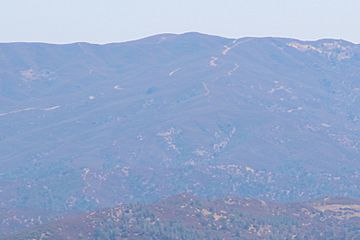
{"points": [[187, 217], [87, 126]]}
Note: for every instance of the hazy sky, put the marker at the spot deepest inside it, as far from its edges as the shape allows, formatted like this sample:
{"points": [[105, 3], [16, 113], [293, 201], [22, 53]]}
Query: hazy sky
{"points": [[102, 21]]}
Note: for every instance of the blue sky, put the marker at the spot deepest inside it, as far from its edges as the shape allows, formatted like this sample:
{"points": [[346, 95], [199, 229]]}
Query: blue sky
{"points": [[63, 21]]}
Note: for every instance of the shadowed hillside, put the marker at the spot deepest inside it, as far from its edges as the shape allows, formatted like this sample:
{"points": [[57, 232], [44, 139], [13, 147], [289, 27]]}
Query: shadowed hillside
{"points": [[187, 217]]}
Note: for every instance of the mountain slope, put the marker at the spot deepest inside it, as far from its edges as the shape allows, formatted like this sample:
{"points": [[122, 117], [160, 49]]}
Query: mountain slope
{"points": [[188, 217], [86, 126]]}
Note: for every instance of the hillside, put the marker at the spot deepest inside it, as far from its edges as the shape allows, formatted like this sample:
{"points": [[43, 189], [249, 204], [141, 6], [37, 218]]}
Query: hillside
{"points": [[187, 217], [86, 127]]}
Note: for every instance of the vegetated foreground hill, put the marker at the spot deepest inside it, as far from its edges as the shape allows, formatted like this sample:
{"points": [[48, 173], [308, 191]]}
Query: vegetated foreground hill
{"points": [[186, 217], [89, 126]]}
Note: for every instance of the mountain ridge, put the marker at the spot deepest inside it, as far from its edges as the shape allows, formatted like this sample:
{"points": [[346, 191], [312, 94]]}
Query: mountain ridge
{"points": [[85, 127], [173, 35]]}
